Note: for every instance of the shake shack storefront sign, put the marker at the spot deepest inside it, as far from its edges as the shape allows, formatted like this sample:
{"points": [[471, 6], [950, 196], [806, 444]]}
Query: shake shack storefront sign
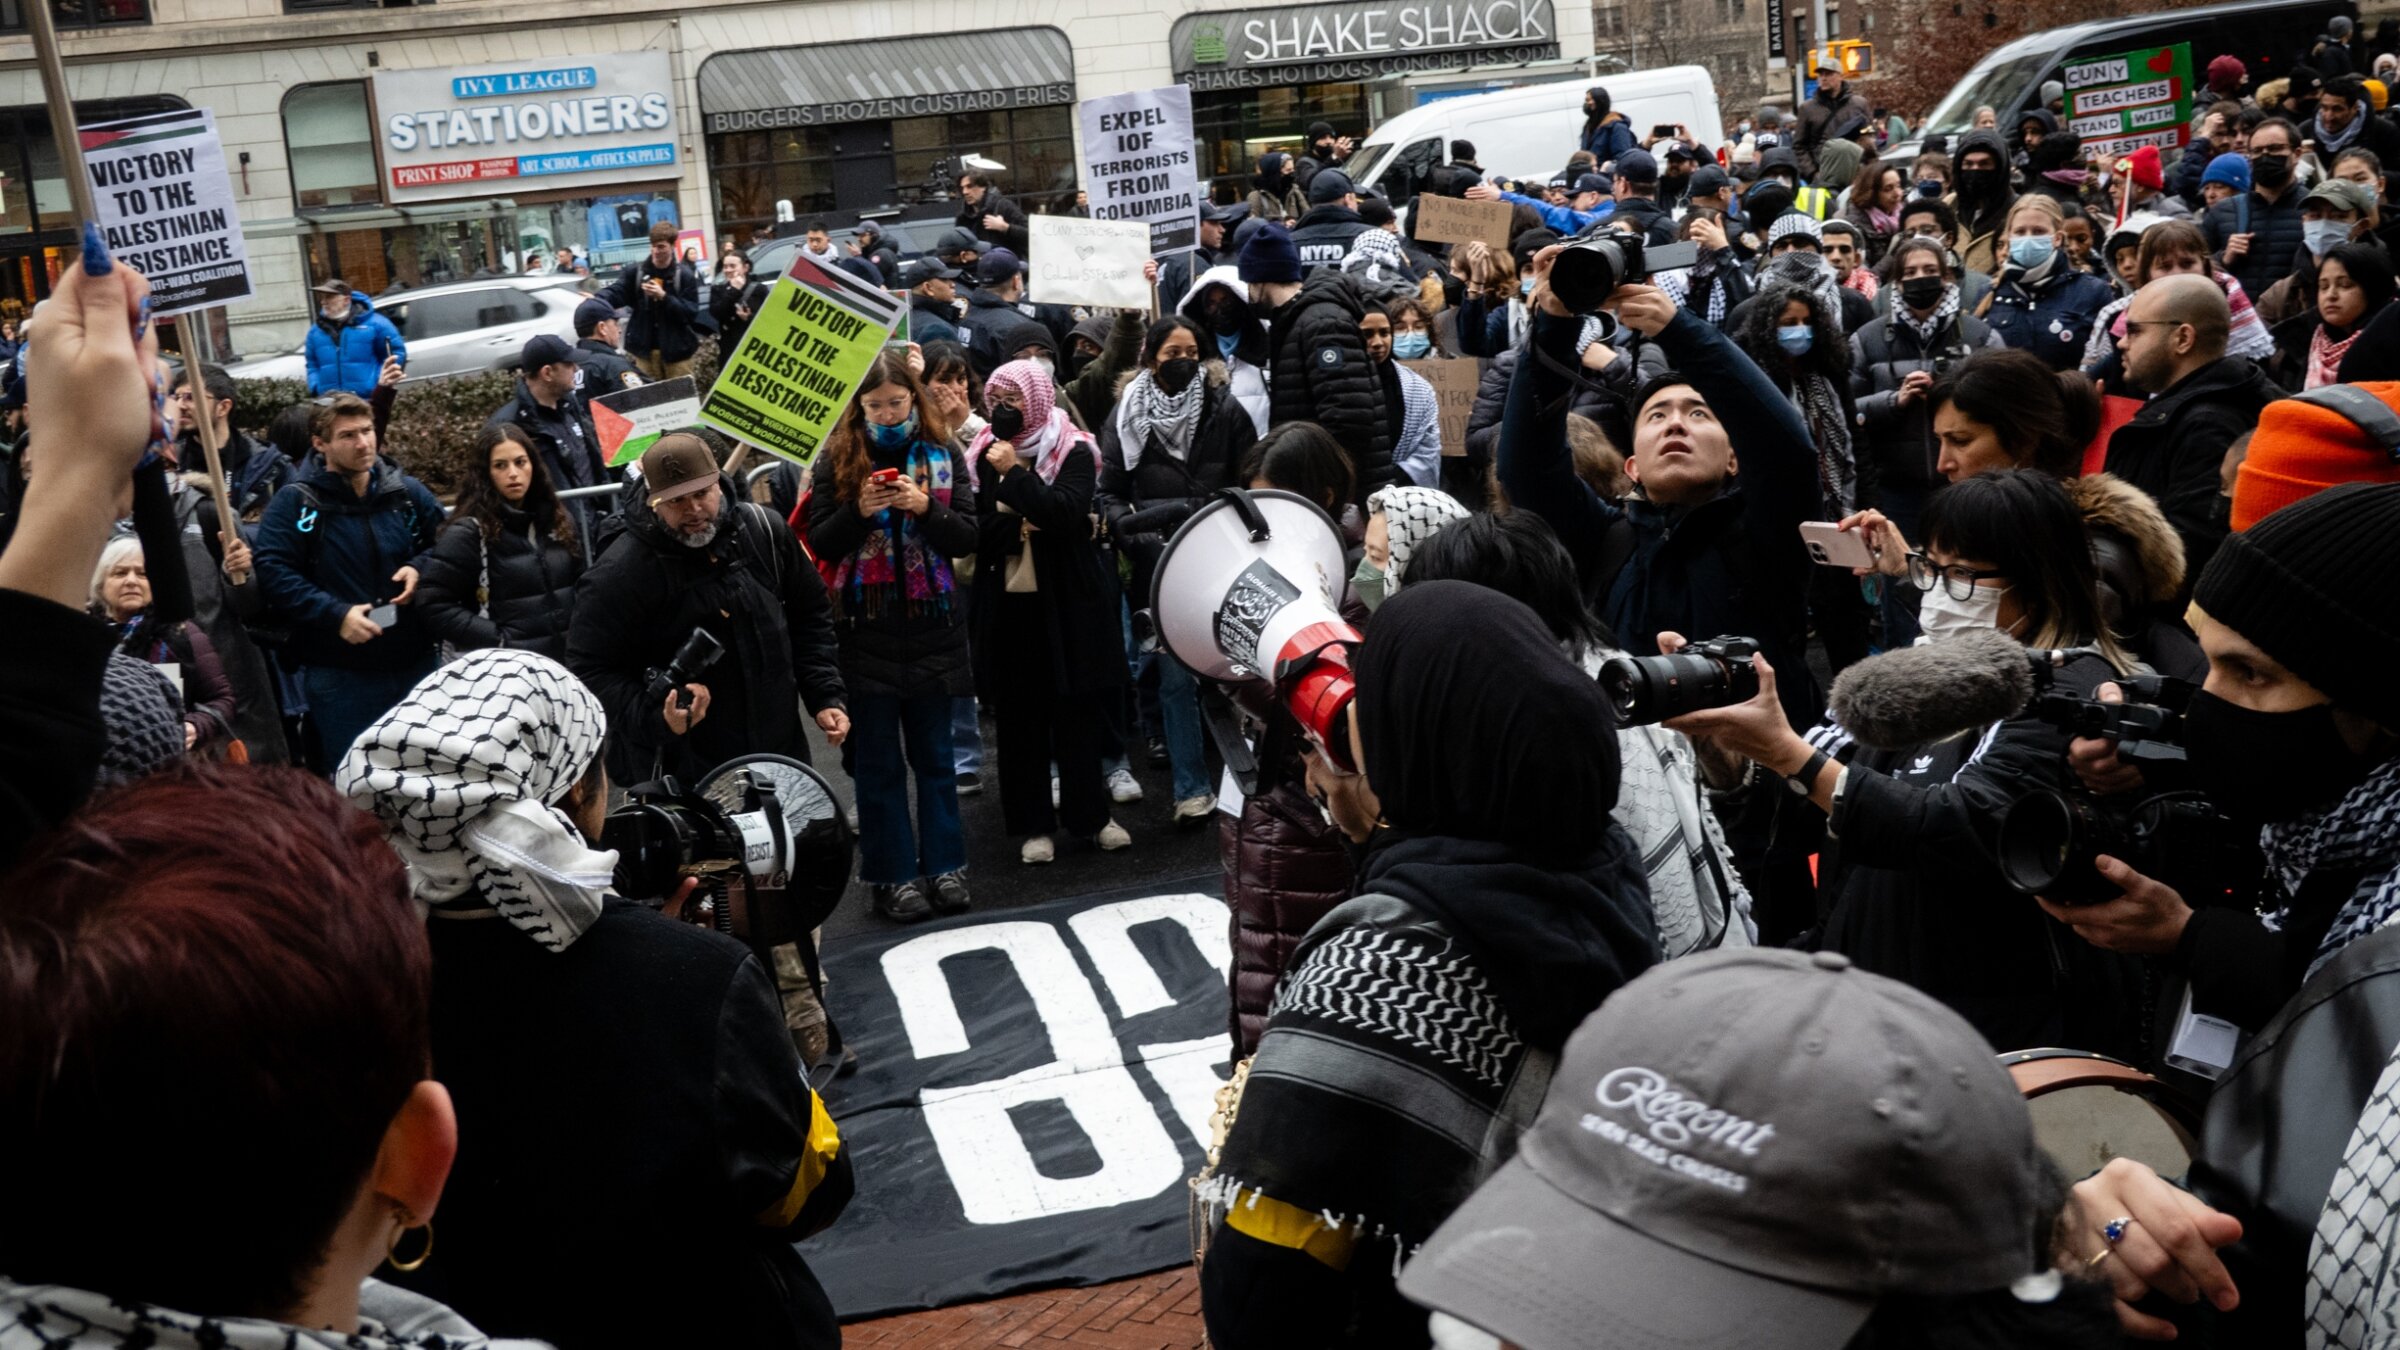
{"points": [[1357, 41]]}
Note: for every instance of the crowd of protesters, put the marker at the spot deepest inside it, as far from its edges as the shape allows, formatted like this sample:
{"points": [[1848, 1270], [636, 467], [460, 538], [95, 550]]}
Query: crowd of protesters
{"points": [[1554, 1025]]}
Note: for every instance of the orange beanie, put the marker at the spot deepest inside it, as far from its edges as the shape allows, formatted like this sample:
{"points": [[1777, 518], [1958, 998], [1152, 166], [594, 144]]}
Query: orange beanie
{"points": [[2302, 448]]}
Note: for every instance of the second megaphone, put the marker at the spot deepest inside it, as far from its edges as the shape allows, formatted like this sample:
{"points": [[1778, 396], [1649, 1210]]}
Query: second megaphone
{"points": [[1248, 594]]}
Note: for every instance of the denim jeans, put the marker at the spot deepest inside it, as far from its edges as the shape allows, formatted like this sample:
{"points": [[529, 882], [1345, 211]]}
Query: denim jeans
{"points": [[966, 735], [888, 738], [344, 703], [1179, 708]]}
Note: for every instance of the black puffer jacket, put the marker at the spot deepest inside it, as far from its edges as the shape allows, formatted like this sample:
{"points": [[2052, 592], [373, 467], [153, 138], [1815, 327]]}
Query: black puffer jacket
{"points": [[2277, 236], [532, 578], [1285, 868], [753, 590], [1320, 373], [902, 654], [1144, 505], [2174, 448], [1899, 440]]}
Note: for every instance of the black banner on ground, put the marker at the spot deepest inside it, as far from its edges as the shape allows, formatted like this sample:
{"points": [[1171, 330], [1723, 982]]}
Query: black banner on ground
{"points": [[1033, 1093]]}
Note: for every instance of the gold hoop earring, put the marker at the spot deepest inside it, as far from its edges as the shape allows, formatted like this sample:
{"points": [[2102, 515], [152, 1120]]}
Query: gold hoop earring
{"points": [[391, 1251]]}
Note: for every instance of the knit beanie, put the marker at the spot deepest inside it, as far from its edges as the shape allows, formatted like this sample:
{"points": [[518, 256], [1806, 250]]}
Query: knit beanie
{"points": [[2311, 586], [2227, 69], [2303, 447], [1269, 256], [2229, 168], [143, 717]]}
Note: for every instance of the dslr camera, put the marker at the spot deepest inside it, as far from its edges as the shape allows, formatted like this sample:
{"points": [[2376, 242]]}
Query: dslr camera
{"points": [[698, 652], [1717, 673], [2048, 840], [1591, 269]]}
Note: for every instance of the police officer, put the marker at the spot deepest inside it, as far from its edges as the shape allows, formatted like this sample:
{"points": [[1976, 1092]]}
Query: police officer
{"points": [[603, 365]]}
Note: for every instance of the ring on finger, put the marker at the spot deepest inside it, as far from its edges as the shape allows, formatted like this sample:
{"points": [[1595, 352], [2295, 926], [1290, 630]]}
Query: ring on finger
{"points": [[2103, 1254], [2114, 1230]]}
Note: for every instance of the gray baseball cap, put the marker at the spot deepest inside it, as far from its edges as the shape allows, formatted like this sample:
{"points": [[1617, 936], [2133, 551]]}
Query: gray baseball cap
{"points": [[1744, 1140]]}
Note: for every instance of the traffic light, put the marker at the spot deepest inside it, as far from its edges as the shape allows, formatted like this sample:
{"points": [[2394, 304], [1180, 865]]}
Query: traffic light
{"points": [[1851, 56]]}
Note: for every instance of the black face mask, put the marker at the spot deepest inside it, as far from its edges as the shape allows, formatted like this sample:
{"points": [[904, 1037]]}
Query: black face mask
{"points": [[1008, 422], [1173, 377], [2269, 767], [1920, 292], [1977, 184], [2272, 171], [1226, 316]]}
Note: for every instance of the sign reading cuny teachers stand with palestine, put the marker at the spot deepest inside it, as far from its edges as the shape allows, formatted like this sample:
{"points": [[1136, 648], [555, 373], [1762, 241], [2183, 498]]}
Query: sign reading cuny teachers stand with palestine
{"points": [[2118, 104], [166, 206], [570, 121], [1356, 40]]}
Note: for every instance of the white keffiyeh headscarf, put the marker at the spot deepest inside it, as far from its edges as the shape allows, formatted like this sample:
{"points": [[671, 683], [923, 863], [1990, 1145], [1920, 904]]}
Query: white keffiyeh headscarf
{"points": [[1411, 515], [462, 773]]}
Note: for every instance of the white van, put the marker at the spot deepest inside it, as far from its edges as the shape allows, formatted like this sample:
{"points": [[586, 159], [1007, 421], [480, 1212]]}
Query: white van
{"points": [[1529, 132]]}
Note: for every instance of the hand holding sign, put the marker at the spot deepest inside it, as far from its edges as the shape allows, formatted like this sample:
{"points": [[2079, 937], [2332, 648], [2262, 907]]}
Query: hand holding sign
{"points": [[1106, 263]]}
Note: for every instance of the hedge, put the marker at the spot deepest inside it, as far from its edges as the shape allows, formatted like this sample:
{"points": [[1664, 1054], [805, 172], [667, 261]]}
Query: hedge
{"points": [[434, 422]]}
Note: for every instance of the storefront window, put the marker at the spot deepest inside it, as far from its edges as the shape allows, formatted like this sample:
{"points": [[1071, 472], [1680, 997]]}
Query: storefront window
{"points": [[790, 174], [379, 260], [1234, 127], [78, 13], [332, 145], [607, 231]]}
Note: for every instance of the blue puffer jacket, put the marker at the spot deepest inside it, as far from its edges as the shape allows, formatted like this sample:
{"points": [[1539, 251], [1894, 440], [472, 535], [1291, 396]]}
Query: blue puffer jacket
{"points": [[321, 549], [349, 355], [2051, 319]]}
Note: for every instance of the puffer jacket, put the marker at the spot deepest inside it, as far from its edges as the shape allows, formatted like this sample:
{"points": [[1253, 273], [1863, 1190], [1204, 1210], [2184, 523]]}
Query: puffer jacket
{"points": [[2174, 448], [1882, 356], [2140, 562], [1145, 505], [348, 355], [1285, 868], [516, 589], [2276, 229], [2052, 318], [900, 654], [1321, 374], [1599, 396]]}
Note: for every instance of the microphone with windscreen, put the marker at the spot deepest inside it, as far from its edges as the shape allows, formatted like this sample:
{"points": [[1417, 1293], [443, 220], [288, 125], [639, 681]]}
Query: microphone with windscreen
{"points": [[1965, 682]]}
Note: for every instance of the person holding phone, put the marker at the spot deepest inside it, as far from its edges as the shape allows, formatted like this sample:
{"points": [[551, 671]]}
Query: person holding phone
{"points": [[334, 558]]}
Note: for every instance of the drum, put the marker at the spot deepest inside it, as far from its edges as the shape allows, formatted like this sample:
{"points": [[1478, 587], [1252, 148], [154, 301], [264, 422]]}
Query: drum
{"points": [[2088, 1109]]}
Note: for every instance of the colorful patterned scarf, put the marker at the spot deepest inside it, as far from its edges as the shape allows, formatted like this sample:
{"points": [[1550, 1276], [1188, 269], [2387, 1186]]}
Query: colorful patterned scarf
{"points": [[895, 570]]}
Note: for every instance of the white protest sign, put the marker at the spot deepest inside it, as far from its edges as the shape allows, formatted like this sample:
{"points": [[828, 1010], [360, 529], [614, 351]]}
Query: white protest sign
{"points": [[1087, 262], [1138, 164], [166, 207]]}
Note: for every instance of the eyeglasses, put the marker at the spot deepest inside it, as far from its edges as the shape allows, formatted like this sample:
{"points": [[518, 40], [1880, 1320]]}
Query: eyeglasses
{"points": [[2137, 325], [1956, 582]]}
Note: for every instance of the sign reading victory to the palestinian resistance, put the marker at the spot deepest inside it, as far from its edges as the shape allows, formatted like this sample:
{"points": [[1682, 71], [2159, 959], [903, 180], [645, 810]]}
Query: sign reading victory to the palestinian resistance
{"points": [[1087, 262], [1138, 164], [800, 361], [630, 419], [166, 207], [2118, 104]]}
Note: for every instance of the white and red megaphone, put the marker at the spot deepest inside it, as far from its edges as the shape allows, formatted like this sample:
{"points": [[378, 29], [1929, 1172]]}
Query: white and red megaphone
{"points": [[1248, 594]]}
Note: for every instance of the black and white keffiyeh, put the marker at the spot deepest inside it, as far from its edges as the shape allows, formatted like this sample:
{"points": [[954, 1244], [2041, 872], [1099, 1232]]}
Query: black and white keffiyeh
{"points": [[1148, 411], [2360, 830], [1411, 515], [461, 773], [55, 1317], [1929, 328], [1806, 271]]}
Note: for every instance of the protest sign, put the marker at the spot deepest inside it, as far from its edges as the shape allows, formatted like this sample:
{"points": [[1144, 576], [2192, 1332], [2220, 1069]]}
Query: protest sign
{"points": [[166, 206], [630, 419], [1087, 262], [2121, 103], [1455, 220], [1454, 383], [800, 360], [1138, 164]]}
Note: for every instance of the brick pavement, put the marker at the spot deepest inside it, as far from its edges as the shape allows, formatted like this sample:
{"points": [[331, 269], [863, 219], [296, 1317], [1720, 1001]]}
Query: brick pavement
{"points": [[1155, 1312]]}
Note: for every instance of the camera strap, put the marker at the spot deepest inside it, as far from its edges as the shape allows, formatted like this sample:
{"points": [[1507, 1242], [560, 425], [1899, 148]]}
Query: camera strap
{"points": [[2369, 413]]}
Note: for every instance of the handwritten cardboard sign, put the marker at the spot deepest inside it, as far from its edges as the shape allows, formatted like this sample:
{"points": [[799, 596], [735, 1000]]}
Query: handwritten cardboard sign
{"points": [[1454, 383], [1455, 220], [1088, 262]]}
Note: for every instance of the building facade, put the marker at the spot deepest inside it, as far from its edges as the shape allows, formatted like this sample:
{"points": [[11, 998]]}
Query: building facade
{"points": [[398, 145]]}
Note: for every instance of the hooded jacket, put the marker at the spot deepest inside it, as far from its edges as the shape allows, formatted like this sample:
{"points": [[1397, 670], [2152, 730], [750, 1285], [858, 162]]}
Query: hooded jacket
{"points": [[2174, 448], [1978, 234], [1322, 375], [2140, 561], [323, 548], [348, 354], [526, 578], [753, 589], [1246, 364]]}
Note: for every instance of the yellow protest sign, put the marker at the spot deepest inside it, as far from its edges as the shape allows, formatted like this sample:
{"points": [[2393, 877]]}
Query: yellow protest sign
{"points": [[800, 361]]}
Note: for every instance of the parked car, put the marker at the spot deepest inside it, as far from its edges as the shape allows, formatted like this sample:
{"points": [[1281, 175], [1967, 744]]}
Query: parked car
{"points": [[912, 237], [460, 328]]}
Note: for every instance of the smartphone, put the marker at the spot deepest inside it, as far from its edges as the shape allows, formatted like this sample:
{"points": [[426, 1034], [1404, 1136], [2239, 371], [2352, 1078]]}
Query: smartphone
{"points": [[1664, 131], [385, 616], [1834, 547], [887, 477]]}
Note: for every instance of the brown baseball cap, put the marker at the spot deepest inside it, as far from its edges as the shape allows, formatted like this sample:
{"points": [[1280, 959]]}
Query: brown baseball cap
{"points": [[678, 464], [332, 286]]}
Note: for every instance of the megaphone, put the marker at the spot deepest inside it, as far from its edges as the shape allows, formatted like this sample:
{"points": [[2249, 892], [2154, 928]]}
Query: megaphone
{"points": [[1248, 595]]}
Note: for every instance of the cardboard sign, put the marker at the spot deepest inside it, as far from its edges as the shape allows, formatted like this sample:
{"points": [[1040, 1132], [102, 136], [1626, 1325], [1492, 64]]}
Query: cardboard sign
{"points": [[2120, 103], [800, 360], [1454, 383], [1138, 164], [1087, 262], [166, 207], [1455, 220], [630, 419]]}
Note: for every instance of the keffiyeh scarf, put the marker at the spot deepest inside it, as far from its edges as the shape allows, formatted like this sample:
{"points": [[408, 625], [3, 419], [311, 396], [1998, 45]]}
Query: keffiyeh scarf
{"points": [[1147, 411], [1411, 515], [1375, 256], [2360, 830], [1837, 469], [461, 773], [1049, 437], [2325, 353], [1928, 329], [55, 1317], [1807, 271], [893, 570]]}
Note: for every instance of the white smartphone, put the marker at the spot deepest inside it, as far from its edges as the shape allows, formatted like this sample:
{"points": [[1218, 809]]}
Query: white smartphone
{"points": [[384, 616], [1832, 546]]}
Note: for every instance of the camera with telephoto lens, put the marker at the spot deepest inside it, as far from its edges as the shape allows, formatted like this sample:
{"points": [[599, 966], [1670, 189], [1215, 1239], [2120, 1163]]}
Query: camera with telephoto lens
{"points": [[2049, 841], [1717, 673], [1589, 271], [698, 652]]}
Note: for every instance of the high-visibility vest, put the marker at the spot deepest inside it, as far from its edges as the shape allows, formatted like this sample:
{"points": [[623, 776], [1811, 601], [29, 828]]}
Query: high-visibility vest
{"points": [[1815, 201]]}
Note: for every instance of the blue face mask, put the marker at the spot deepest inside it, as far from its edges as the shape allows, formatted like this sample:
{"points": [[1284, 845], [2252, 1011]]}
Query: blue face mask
{"points": [[1525, 285], [1795, 338], [2030, 250], [1411, 346], [1226, 342], [895, 436]]}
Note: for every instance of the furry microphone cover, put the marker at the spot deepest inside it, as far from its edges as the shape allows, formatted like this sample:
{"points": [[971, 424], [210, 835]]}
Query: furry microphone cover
{"points": [[1934, 691]]}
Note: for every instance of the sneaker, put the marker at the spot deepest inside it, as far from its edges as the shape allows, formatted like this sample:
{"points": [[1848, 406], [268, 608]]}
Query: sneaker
{"points": [[1054, 792], [904, 903], [969, 784], [1158, 753], [950, 893], [1038, 849], [1112, 837], [850, 818], [1193, 812], [1122, 789]]}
